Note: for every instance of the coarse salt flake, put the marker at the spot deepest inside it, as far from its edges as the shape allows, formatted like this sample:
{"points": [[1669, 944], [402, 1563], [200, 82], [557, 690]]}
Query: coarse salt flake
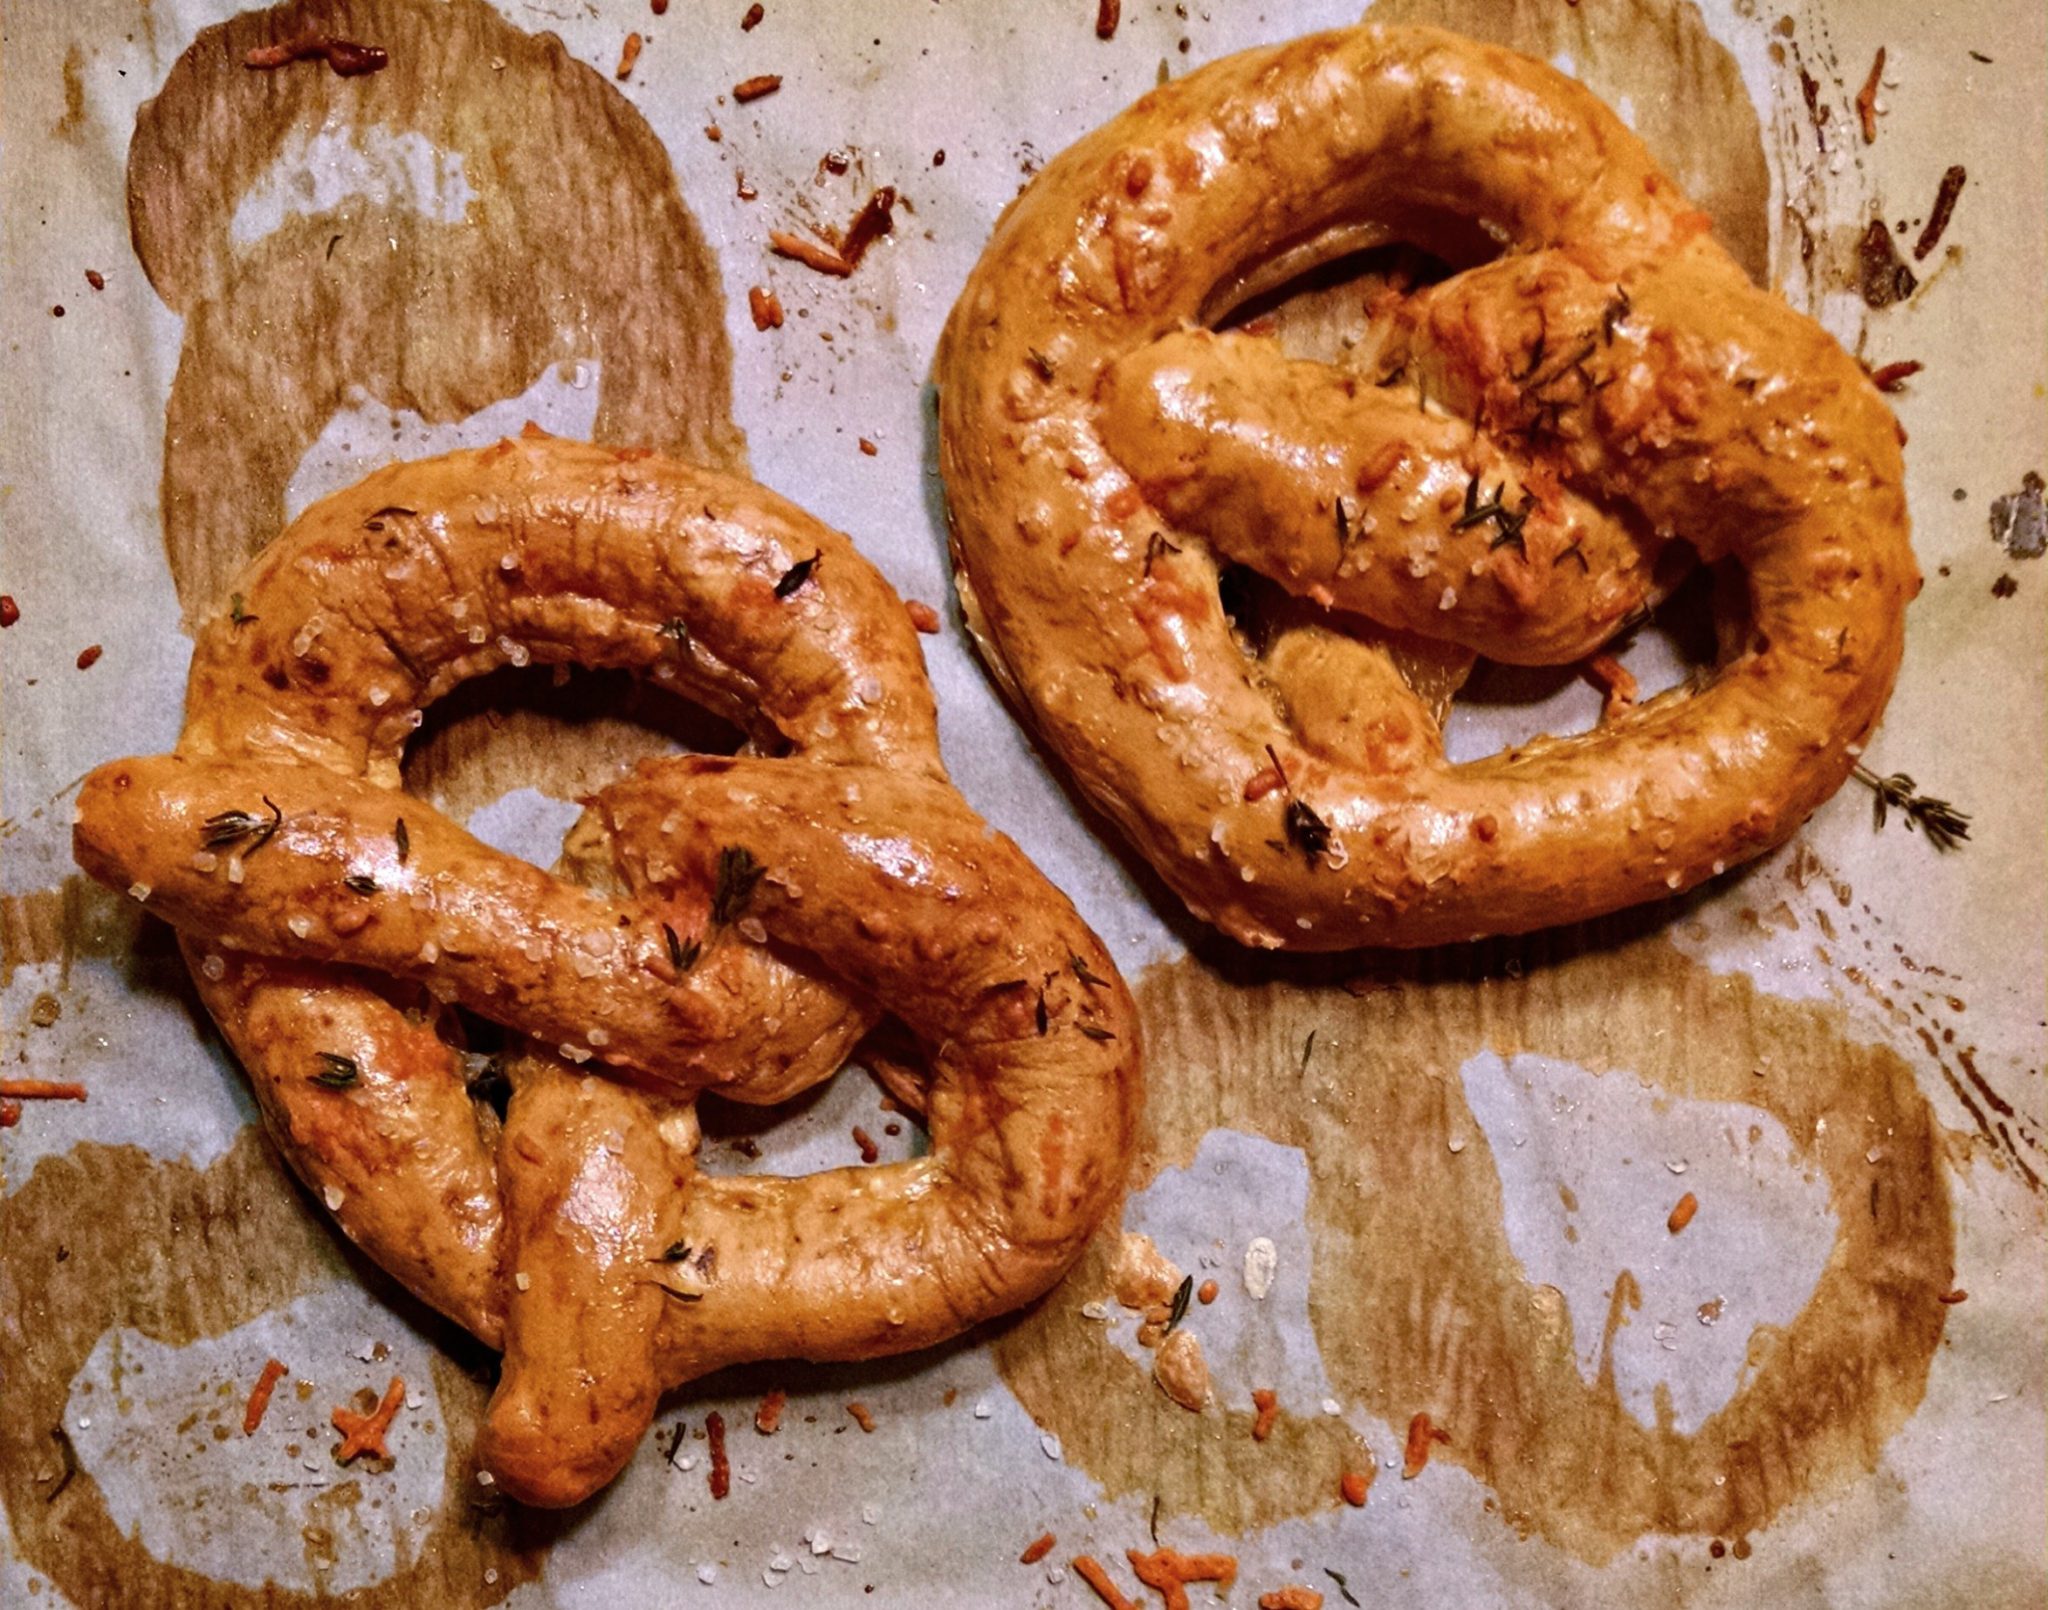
{"points": [[1261, 1263]]}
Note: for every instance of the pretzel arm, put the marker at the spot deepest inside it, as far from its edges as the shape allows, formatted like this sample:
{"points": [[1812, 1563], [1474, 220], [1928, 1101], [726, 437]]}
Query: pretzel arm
{"points": [[595, 1177], [1360, 498], [396, 1153]]}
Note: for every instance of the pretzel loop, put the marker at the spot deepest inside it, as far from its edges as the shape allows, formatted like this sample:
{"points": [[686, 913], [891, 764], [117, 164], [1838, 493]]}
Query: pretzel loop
{"points": [[1509, 464], [743, 922]]}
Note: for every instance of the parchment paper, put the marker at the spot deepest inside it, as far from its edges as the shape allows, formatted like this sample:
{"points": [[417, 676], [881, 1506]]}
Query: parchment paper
{"points": [[1465, 1162]]}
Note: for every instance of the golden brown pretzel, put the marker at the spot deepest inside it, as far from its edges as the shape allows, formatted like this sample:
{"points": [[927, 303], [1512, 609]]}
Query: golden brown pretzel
{"points": [[321, 933], [1599, 381]]}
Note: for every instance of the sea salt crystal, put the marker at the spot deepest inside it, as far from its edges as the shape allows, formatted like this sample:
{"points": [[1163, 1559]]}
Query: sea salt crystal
{"points": [[334, 1196], [1261, 1263], [139, 890], [300, 924], [1051, 1445]]}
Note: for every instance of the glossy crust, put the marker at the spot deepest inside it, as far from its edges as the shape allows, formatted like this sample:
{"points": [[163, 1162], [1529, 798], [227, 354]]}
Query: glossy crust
{"points": [[1610, 373], [580, 1236]]}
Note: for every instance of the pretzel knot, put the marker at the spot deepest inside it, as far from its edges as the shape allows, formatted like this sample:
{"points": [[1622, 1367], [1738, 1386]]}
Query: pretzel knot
{"points": [[1505, 466], [742, 922]]}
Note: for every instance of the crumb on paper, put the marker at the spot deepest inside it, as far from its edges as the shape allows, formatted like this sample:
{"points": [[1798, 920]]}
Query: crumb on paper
{"points": [[346, 57], [1108, 13], [922, 616], [813, 255], [1292, 1597], [720, 1476], [1866, 99], [765, 306], [752, 89], [863, 1416], [1182, 1371], [752, 18], [1953, 179], [629, 54], [1354, 1486], [1266, 1403], [1423, 1434], [1090, 1571], [1141, 1277], [1682, 1213]]}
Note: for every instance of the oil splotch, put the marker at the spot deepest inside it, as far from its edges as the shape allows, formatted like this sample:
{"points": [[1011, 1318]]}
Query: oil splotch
{"points": [[1417, 1301], [106, 1238]]}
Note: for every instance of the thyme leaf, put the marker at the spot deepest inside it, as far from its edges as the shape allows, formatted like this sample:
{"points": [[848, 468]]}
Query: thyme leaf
{"points": [[334, 1071], [1085, 974], [359, 883], [797, 574], [1179, 1310], [682, 953], [403, 839], [1095, 1032], [1308, 831]]}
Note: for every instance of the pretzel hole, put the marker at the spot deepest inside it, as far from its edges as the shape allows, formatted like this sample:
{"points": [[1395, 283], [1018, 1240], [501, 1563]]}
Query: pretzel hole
{"points": [[822, 1128], [1504, 706], [523, 727], [1318, 286]]}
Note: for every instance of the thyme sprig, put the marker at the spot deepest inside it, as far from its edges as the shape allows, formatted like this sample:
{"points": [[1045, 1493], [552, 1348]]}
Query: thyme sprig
{"points": [[1945, 826], [738, 874], [1510, 521], [229, 828]]}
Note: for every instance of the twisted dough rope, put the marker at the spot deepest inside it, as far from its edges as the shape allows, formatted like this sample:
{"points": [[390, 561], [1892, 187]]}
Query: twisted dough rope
{"points": [[745, 919], [1606, 379]]}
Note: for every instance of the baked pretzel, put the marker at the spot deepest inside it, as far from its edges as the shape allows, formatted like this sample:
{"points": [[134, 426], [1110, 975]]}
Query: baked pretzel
{"points": [[739, 925], [1497, 472]]}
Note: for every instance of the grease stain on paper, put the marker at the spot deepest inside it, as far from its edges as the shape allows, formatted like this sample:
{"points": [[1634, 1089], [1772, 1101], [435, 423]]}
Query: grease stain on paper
{"points": [[108, 1242], [1417, 1299]]}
